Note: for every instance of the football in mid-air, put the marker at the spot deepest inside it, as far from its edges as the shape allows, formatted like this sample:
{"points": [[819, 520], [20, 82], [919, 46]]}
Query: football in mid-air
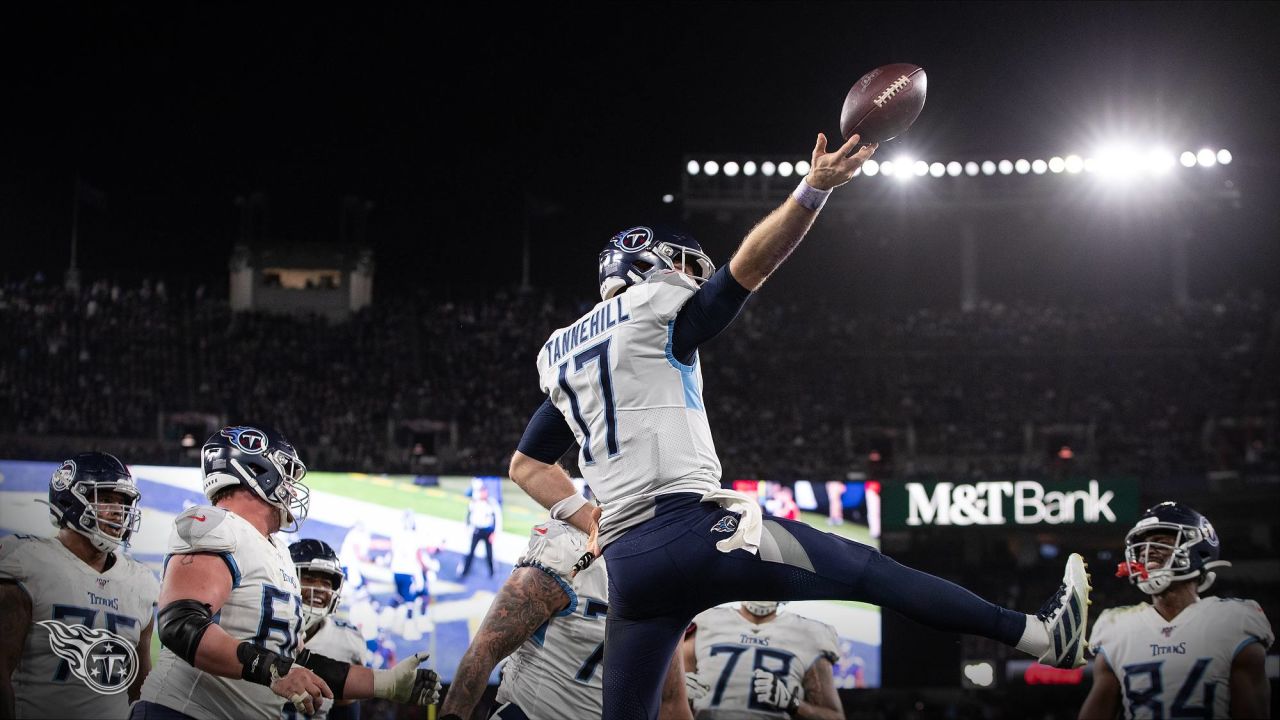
{"points": [[884, 102]]}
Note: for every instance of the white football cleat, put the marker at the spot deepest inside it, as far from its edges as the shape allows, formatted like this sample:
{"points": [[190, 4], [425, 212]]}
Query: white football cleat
{"points": [[1066, 617]]}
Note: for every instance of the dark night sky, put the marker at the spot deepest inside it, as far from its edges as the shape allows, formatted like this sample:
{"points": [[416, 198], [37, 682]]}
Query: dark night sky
{"points": [[446, 119]]}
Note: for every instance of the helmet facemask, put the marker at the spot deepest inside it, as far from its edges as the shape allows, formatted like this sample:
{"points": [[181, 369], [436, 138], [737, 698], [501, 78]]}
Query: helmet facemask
{"points": [[636, 254], [1175, 558], [318, 600], [107, 522]]}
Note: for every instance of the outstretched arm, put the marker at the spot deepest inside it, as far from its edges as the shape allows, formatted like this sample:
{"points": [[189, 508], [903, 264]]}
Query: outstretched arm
{"points": [[526, 600], [772, 240]]}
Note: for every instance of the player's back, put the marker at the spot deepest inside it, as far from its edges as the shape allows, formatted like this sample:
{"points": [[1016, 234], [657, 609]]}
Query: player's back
{"points": [[636, 410], [729, 648], [1182, 667], [80, 654], [557, 673], [265, 607]]}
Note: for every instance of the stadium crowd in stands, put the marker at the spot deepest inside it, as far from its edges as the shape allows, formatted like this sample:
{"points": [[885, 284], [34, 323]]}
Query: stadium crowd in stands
{"points": [[799, 391]]}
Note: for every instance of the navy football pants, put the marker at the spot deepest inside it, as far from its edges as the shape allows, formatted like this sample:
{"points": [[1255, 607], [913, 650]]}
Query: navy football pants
{"points": [[667, 569]]}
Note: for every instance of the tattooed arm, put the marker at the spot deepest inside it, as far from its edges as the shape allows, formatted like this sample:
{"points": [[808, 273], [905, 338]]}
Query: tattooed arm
{"points": [[821, 701], [528, 599], [15, 622]]}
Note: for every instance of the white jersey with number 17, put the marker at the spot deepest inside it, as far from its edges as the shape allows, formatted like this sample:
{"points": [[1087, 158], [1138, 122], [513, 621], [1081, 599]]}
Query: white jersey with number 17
{"points": [[635, 409]]}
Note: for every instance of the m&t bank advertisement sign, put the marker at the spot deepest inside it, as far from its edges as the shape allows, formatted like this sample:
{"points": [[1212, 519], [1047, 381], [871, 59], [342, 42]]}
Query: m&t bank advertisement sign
{"points": [[1014, 502]]}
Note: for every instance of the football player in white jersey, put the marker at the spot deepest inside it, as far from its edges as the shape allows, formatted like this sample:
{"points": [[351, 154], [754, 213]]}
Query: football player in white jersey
{"points": [[757, 663], [75, 611], [320, 574], [552, 627], [230, 618], [624, 382], [1182, 655]]}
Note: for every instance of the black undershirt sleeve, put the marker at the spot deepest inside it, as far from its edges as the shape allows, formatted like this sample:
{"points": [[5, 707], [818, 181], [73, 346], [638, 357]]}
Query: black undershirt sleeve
{"points": [[708, 312], [547, 437]]}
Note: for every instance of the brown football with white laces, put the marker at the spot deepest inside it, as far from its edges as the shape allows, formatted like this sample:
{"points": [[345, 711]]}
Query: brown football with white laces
{"points": [[884, 102]]}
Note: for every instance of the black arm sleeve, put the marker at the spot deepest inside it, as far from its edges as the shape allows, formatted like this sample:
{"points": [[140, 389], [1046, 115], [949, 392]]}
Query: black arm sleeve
{"points": [[182, 625], [547, 436], [332, 672], [709, 311]]}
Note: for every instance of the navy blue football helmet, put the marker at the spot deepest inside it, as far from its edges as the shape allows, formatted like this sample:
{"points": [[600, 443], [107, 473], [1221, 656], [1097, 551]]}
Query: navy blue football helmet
{"points": [[1192, 554], [636, 253], [78, 499], [315, 556], [262, 460]]}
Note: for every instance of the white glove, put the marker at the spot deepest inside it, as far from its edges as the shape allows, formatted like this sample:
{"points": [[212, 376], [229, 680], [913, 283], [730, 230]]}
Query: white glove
{"points": [[557, 547], [775, 692], [406, 684], [695, 687]]}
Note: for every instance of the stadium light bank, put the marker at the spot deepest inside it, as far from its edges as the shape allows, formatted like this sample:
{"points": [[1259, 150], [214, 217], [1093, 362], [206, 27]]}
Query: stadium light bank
{"points": [[1111, 163]]}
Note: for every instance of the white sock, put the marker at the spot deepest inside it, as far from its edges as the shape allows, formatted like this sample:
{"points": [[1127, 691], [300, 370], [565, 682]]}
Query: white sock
{"points": [[1035, 638]]}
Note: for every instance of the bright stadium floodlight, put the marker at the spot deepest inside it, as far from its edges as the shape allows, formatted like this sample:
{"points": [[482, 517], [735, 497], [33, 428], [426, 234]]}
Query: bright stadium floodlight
{"points": [[937, 169], [1022, 166], [1207, 158], [711, 167], [1038, 166], [1006, 167], [1188, 159], [1118, 162], [920, 168], [1160, 161], [731, 169], [1057, 164], [784, 169], [802, 167], [692, 167], [1073, 164], [954, 168], [887, 168], [871, 168], [988, 167], [1224, 157], [768, 168], [668, 198], [749, 168], [971, 168], [1091, 165]]}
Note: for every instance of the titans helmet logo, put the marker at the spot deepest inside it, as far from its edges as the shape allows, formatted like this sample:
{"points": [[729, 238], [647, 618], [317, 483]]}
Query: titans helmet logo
{"points": [[106, 662], [63, 476], [633, 240], [1206, 529], [248, 439]]}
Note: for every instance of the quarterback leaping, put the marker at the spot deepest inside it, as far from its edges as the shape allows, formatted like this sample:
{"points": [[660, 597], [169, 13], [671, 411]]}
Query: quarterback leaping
{"points": [[624, 381]]}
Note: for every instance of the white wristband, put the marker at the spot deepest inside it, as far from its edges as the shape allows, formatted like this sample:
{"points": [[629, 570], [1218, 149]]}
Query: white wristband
{"points": [[809, 196], [565, 509]]}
